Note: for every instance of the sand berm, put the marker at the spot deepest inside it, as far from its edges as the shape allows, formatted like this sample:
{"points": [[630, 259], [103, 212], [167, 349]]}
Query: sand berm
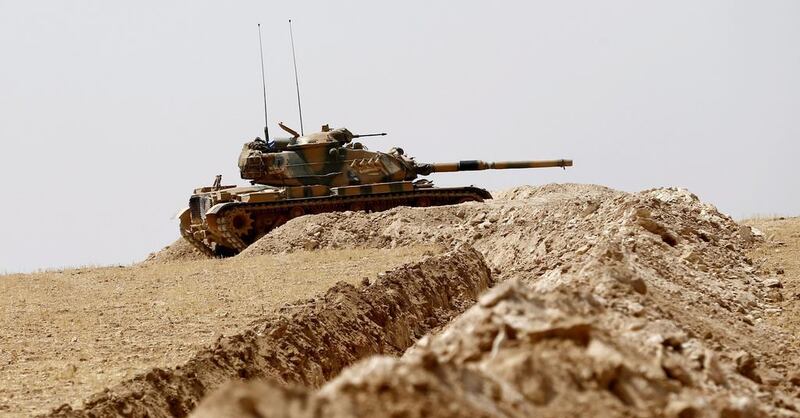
{"points": [[602, 303]]}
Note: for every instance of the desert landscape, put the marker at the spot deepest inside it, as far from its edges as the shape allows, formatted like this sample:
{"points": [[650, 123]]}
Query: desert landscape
{"points": [[554, 300], [400, 209]]}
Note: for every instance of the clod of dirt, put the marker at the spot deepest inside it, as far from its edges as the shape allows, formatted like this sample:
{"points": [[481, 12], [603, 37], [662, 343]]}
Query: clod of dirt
{"points": [[312, 340], [746, 366]]}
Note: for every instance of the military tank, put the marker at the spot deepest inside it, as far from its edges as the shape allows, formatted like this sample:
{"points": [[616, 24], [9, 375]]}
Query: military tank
{"points": [[321, 172]]}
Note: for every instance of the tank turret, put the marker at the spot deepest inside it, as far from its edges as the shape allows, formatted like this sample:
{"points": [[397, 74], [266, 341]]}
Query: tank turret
{"points": [[332, 159], [319, 172]]}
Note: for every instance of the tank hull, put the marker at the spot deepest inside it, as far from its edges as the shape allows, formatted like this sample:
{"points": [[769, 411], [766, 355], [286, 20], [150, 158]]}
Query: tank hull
{"points": [[224, 224]]}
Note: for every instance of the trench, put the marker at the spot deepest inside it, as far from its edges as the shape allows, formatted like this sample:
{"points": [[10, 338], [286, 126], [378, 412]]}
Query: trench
{"points": [[309, 342]]}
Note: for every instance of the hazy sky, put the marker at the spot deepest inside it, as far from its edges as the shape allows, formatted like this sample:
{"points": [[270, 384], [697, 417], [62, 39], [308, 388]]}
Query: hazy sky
{"points": [[112, 112]]}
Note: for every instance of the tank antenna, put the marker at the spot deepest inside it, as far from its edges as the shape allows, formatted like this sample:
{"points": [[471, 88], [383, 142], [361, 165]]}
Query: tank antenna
{"points": [[263, 85], [296, 80]]}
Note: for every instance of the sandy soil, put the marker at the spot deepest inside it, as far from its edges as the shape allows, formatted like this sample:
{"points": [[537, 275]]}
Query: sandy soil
{"points": [[778, 257], [310, 342], [648, 304], [613, 304], [69, 333]]}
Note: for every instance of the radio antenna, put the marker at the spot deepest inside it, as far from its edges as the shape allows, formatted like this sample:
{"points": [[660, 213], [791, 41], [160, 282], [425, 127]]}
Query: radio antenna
{"points": [[263, 85], [296, 80]]}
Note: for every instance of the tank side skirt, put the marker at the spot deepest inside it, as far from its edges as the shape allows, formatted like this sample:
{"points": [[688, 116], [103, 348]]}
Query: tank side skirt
{"points": [[438, 197]]}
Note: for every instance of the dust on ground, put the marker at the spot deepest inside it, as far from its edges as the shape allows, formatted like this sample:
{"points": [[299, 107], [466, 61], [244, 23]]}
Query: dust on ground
{"points": [[69, 333]]}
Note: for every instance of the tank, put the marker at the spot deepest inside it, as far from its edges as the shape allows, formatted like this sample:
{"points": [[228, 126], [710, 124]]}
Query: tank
{"points": [[321, 172]]}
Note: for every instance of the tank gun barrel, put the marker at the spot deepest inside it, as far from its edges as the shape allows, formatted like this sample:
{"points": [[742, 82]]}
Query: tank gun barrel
{"points": [[366, 135], [473, 165]]}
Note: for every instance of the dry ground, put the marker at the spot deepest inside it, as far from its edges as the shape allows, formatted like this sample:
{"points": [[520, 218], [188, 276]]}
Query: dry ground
{"points": [[645, 304], [70, 333], [779, 256], [616, 304]]}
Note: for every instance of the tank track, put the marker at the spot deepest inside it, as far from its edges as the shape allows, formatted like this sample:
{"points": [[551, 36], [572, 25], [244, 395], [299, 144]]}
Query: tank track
{"points": [[232, 240], [281, 211], [199, 245]]}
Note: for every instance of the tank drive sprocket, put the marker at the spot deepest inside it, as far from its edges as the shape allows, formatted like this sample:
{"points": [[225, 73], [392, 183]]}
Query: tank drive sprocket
{"points": [[239, 222]]}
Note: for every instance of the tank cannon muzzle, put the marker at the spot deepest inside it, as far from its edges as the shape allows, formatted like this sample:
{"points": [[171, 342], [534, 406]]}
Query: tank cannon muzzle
{"points": [[473, 165]]}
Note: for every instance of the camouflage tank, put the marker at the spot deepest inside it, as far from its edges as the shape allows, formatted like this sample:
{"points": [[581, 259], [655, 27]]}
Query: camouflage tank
{"points": [[321, 172]]}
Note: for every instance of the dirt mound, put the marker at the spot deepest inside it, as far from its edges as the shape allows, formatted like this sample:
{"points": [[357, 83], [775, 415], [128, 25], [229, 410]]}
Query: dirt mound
{"points": [[651, 293], [312, 340], [517, 353], [180, 250], [468, 222]]}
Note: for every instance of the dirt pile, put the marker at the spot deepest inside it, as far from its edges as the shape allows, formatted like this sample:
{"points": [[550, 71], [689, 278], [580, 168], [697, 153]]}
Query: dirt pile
{"points": [[180, 250], [533, 229], [312, 340], [641, 304], [517, 353]]}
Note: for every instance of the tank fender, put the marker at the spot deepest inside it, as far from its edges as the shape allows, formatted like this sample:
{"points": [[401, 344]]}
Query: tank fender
{"points": [[185, 216], [211, 214]]}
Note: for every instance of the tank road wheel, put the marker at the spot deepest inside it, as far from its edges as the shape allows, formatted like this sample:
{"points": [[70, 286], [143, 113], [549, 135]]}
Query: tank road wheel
{"points": [[240, 222], [423, 202], [296, 211]]}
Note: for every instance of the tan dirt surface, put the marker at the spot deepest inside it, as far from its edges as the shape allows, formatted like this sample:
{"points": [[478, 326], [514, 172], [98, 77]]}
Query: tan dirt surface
{"points": [[311, 341], [617, 304], [180, 250], [70, 333], [609, 304], [778, 257]]}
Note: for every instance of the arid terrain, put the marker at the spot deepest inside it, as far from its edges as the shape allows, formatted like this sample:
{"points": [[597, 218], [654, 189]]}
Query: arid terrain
{"points": [[778, 257], [557, 300], [73, 332]]}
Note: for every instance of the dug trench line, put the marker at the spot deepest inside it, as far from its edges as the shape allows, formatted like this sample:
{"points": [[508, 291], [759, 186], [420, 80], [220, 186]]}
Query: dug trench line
{"points": [[309, 342], [613, 304]]}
